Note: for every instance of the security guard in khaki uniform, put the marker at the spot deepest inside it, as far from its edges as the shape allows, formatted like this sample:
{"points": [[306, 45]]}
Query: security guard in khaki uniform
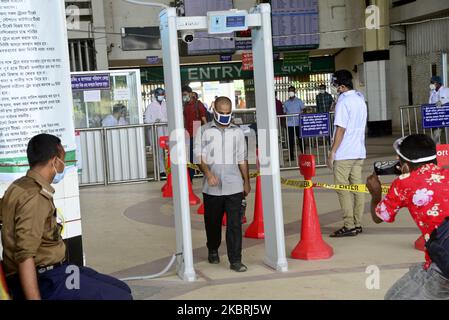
{"points": [[33, 250]]}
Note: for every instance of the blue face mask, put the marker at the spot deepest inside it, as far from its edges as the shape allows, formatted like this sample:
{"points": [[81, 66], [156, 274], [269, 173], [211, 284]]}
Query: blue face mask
{"points": [[59, 175], [223, 119]]}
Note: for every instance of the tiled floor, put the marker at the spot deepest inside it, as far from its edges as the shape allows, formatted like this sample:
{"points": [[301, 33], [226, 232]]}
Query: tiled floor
{"points": [[129, 230]]}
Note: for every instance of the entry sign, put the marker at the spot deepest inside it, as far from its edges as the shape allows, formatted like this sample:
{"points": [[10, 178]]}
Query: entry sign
{"points": [[435, 117], [443, 154], [315, 125]]}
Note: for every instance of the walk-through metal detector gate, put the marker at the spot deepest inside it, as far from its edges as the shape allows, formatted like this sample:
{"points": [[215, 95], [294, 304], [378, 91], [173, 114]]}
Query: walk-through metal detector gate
{"points": [[221, 22]]}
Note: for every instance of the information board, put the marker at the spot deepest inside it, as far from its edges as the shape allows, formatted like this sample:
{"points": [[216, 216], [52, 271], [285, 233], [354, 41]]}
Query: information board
{"points": [[36, 95], [315, 125], [435, 117], [203, 42], [91, 82], [295, 24]]}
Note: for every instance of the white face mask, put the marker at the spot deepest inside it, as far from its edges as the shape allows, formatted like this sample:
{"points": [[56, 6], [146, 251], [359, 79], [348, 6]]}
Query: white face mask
{"points": [[160, 98], [223, 119], [186, 98], [433, 87], [291, 94], [59, 176], [322, 91]]}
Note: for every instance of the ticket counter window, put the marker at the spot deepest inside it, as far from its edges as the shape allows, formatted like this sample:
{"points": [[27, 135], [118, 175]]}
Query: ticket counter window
{"points": [[106, 99]]}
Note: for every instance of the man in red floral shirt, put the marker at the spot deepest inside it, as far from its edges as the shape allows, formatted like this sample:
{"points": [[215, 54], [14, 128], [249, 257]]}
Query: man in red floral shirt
{"points": [[423, 189]]}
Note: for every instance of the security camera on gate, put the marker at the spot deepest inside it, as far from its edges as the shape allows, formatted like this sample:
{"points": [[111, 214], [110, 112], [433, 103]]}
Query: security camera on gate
{"points": [[187, 36]]}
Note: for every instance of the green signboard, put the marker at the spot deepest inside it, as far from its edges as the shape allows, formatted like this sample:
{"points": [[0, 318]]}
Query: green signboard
{"points": [[296, 59], [233, 71]]}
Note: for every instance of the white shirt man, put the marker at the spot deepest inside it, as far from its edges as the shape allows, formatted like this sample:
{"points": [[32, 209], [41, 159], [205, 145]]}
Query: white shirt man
{"points": [[156, 112], [348, 151], [442, 95], [110, 121], [351, 114], [439, 94]]}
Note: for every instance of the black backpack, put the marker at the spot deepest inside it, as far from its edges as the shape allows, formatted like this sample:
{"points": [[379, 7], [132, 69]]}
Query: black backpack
{"points": [[438, 247]]}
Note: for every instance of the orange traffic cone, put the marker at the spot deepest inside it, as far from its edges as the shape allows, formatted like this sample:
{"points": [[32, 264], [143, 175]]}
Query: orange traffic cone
{"points": [[256, 228], [420, 244], [193, 198], [311, 246], [200, 210], [167, 188]]}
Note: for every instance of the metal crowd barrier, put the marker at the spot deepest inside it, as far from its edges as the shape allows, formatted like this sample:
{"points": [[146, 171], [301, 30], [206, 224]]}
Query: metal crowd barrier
{"points": [[130, 154], [246, 116], [115, 155], [411, 123], [318, 146]]}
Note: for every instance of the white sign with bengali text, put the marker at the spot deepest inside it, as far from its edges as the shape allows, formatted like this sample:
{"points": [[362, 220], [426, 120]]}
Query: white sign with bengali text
{"points": [[36, 97], [35, 87]]}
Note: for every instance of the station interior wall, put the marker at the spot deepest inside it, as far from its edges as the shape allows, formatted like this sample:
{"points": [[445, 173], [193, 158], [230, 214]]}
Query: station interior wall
{"points": [[334, 15]]}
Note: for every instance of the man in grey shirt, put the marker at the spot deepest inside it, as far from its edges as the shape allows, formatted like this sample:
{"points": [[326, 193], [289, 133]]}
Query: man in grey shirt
{"points": [[221, 152]]}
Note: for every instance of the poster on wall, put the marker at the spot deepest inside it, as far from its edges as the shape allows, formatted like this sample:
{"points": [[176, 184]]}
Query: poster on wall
{"points": [[35, 91], [36, 97]]}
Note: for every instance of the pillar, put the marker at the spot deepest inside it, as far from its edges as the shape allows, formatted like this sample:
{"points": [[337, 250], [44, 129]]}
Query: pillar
{"points": [[376, 56]]}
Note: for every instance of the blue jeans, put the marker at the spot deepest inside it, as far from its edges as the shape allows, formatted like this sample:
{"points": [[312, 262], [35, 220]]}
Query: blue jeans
{"points": [[92, 286], [420, 284]]}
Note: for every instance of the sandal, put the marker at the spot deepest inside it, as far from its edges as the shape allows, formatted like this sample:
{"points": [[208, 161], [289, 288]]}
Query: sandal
{"points": [[344, 232]]}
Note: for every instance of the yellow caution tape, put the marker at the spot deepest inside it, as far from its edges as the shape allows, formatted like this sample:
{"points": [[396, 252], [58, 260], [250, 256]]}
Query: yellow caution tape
{"points": [[307, 184], [299, 184], [193, 166], [254, 175], [189, 165], [358, 188], [196, 167]]}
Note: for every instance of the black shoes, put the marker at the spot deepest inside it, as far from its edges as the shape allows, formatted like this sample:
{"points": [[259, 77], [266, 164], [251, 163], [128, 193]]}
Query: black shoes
{"points": [[238, 267], [345, 232], [213, 257], [359, 230]]}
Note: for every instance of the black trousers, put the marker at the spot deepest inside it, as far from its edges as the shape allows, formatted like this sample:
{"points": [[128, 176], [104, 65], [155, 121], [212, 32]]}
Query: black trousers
{"points": [[92, 285], [214, 208], [291, 140]]}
